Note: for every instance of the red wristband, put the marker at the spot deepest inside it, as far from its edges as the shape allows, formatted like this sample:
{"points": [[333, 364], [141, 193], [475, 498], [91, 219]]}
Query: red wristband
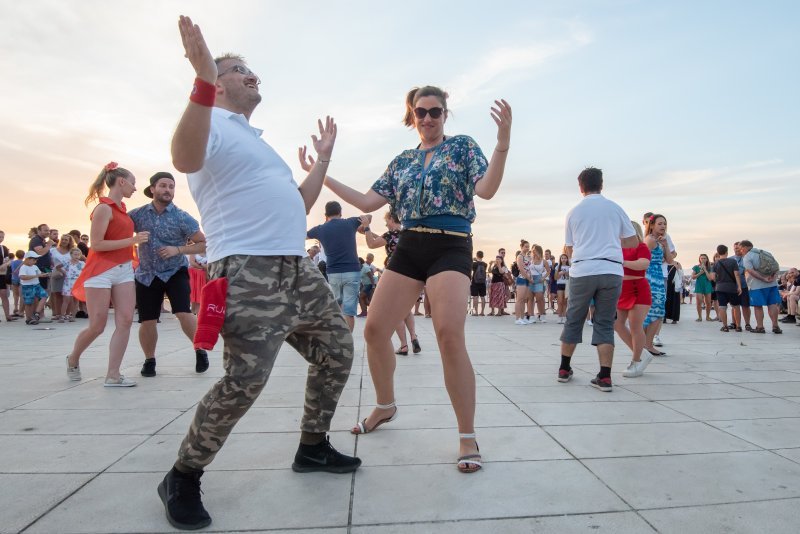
{"points": [[203, 93]]}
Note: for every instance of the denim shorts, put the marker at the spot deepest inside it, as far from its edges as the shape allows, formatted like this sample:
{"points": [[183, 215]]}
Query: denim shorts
{"points": [[521, 281], [345, 287]]}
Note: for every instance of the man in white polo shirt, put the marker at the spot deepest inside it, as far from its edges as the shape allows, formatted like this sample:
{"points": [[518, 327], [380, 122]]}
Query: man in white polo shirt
{"points": [[597, 230], [254, 218]]}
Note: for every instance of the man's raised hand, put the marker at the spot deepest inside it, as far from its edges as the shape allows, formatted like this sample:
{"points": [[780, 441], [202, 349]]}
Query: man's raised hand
{"points": [[196, 50]]}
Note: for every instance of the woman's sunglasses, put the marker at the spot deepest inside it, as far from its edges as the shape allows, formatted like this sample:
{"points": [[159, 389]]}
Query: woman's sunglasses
{"points": [[435, 113]]}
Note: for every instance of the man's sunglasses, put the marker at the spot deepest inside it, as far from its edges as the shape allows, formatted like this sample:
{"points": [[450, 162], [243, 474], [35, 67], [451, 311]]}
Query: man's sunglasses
{"points": [[435, 113]]}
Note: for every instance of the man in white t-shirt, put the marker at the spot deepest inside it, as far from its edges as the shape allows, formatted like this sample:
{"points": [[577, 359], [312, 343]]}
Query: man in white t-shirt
{"points": [[597, 230], [254, 218]]}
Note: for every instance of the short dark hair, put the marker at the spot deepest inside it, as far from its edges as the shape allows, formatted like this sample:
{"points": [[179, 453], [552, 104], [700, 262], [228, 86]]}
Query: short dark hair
{"points": [[333, 208], [479, 253], [591, 180], [722, 250], [746, 243]]}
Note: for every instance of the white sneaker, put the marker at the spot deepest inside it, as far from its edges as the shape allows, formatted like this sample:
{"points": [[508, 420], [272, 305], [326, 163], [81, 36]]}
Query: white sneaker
{"points": [[589, 322], [533, 320], [541, 319], [521, 322], [657, 341], [646, 358], [121, 382], [633, 370], [73, 373]]}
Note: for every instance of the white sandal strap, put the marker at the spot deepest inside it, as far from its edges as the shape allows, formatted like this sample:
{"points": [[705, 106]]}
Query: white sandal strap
{"points": [[361, 428], [466, 436], [385, 406]]}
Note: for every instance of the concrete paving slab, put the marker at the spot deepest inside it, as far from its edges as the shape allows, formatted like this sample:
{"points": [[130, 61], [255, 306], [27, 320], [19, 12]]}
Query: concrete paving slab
{"points": [[714, 423], [740, 518], [610, 523], [692, 479], [594, 441], [506, 490]]}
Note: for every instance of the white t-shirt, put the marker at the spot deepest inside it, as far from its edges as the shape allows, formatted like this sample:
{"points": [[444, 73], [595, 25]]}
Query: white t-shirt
{"points": [[671, 247], [26, 270], [59, 258], [248, 201], [594, 228]]}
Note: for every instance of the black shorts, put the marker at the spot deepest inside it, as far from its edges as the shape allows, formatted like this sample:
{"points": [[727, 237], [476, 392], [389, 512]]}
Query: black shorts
{"points": [[150, 298], [728, 298], [420, 256], [745, 297], [477, 290]]}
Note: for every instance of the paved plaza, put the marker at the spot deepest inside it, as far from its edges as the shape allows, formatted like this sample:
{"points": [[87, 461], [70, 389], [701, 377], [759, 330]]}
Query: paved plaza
{"points": [[707, 441]]}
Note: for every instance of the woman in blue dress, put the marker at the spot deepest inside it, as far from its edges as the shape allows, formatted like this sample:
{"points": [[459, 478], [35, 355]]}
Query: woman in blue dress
{"points": [[431, 188], [656, 226]]}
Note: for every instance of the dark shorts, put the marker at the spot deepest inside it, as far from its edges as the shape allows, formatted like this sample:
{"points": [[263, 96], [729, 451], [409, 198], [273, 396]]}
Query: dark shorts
{"points": [[420, 256], [477, 290], [728, 298], [150, 298], [745, 297], [367, 290]]}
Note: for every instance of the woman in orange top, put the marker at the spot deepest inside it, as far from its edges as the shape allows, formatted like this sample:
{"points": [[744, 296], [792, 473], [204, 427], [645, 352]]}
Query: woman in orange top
{"points": [[108, 274]]}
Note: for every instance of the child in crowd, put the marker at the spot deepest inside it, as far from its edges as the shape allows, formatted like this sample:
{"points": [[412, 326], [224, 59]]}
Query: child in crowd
{"points": [[33, 294], [15, 265], [71, 272]]}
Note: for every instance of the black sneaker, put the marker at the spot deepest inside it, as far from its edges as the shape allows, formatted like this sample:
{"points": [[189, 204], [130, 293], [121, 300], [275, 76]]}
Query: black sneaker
{"points": [[564, 375], [788, 319], [180, 493], [603, 384], [80, 314], [149, 367], [323, 457], [201, 361]]}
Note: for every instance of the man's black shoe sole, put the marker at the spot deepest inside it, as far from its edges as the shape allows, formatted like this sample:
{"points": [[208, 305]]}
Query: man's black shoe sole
{"points": [[298, 468], [162, 492]]}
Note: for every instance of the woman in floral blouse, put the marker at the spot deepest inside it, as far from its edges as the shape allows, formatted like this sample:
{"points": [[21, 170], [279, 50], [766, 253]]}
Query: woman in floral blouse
{"points": [[431, 188]]}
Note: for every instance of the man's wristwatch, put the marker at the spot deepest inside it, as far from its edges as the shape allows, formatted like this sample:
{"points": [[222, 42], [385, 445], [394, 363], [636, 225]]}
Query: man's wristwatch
{"points": [[366, 229]]}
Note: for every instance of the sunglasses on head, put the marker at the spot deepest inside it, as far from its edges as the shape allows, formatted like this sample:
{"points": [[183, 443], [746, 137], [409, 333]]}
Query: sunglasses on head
{"points": [[435, 113]]}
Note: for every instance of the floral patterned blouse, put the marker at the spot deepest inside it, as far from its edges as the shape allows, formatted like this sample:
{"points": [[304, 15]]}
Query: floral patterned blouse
{"points": [[445, 187]]}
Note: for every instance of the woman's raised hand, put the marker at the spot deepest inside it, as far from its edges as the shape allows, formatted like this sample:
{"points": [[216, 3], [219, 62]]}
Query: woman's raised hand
{"points": [[196, 50], [306, 160], [327, 137], [501, 114]]}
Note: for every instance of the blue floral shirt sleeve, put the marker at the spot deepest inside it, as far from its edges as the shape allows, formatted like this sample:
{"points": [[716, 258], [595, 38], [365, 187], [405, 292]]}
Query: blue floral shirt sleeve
{"points": [[445, 187]]}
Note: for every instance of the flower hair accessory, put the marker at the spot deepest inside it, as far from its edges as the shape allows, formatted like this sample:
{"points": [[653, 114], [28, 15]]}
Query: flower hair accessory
{"points": [[111, 166]]}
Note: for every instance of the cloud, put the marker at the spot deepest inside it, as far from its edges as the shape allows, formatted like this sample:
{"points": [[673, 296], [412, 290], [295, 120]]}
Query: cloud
{"points": [[510, 64]]}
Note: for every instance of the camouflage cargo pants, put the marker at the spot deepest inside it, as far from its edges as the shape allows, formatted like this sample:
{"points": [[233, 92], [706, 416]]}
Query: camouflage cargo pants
{"points": [[271, 299]]}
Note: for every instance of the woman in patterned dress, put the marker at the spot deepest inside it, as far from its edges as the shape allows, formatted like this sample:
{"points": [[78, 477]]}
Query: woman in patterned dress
{"points": [[656, 227]]}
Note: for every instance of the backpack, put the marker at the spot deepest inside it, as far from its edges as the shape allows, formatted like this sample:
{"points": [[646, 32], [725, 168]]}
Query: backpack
{"points": [[767, 264], [479, 275], [515, 269]]}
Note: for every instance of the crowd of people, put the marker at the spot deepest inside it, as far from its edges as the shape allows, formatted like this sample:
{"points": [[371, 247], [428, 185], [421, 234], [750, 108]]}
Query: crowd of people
{"points": [[261, 289]]}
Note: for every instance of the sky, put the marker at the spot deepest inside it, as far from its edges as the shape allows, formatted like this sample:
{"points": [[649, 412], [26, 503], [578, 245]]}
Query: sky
{"points": [[690, 108]]}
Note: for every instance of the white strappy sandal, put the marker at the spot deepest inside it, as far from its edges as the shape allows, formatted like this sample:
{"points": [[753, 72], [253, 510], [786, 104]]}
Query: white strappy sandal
{"points": [[474, 460], [361, 426]]}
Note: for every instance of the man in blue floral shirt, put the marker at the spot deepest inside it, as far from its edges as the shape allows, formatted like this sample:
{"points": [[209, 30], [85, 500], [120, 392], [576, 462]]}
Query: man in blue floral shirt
{"points": [[163, 268]]}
